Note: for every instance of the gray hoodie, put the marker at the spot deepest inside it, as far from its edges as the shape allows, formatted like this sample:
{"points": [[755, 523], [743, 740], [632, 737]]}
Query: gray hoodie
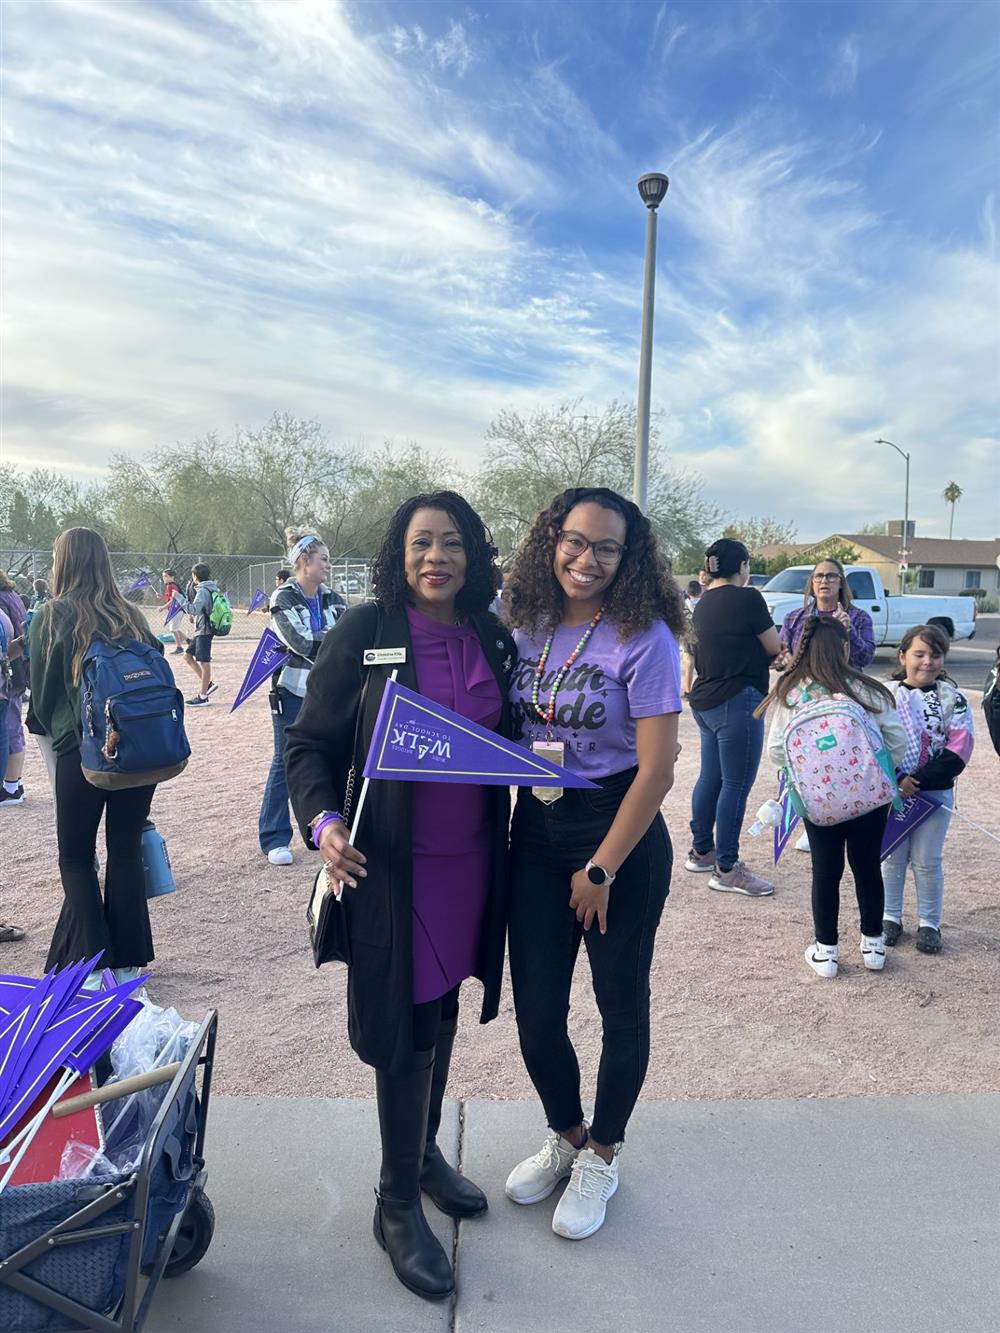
{"points": [[201, 606]]}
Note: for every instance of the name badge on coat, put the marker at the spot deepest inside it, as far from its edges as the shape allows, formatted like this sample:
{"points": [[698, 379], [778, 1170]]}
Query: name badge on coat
{"points": [[383, 656]]}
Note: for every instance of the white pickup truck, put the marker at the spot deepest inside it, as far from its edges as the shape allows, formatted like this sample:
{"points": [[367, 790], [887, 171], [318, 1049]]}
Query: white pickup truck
{"points": [[892, 613]]}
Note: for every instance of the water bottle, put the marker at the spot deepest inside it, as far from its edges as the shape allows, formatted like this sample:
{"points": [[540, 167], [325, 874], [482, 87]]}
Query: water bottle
{"points": [[768, 816], [155, 863]]}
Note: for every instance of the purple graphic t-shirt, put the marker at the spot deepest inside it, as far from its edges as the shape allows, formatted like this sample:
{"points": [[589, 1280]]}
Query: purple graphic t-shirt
{"points": [[609, 685]]}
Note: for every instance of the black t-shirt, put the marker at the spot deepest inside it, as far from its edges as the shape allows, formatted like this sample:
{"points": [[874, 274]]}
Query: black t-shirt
{"points": [[728, 656]]}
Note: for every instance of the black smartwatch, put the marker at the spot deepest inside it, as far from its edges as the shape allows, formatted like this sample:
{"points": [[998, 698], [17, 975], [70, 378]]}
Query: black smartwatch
{"points": [[598, 875]]}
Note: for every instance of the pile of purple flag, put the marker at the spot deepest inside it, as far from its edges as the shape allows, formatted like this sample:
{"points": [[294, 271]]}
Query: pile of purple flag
{"points": [[51, 1032]]}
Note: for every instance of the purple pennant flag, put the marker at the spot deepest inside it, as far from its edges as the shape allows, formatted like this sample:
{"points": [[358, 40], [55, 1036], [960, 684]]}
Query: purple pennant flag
{"points": [[174, 609], [141, 582], [783, 831], [268, 656], [259, 598], [78, 1032], [901, 823], [418, 740]]}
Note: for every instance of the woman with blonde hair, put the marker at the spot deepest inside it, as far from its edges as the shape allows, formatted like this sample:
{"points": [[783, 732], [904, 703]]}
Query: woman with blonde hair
{"points": [[86, 602], [303, 609]]}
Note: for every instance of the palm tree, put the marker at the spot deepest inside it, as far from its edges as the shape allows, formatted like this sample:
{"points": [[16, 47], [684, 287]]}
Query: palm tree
{"points": [[952, 493]]}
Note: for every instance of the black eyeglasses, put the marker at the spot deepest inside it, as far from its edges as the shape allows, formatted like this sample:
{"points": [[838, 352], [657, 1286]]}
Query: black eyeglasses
{"points": [[826, 578], [606, 552]]}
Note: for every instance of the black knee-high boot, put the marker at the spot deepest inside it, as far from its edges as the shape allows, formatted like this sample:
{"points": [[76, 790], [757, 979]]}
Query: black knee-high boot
{"points": [[448, 1188], [400, 1227]]}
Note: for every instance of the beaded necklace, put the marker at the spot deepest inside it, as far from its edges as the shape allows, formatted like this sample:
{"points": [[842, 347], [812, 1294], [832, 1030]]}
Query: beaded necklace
{"points": [[548, 713]]}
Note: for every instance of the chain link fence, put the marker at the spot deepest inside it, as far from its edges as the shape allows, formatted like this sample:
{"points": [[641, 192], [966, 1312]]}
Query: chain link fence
{"points": [[241, 577]]}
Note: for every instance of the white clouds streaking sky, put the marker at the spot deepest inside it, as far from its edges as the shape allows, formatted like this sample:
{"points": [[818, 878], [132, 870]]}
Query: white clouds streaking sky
{"points": [[401, 217]]}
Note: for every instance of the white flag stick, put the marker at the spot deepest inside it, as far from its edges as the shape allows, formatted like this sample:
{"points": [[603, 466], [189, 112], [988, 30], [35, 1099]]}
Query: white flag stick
{"points": [[36, 1124], [28, 1127]]}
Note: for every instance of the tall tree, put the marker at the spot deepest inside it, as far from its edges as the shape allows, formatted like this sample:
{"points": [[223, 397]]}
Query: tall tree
{"points": [[756, 533], [373, 485], [533, 458], [952, 493]]}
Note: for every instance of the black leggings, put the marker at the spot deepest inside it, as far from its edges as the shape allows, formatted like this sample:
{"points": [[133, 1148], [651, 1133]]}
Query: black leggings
{"points": [[428, 1017], [116, 925], [862, 839], [548, 844]]}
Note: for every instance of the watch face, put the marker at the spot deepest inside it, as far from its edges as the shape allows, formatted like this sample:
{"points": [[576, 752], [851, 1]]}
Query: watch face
{"points": [[596, 875]]}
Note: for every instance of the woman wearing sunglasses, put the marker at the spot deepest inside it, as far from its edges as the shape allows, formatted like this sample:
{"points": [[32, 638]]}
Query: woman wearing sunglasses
{"points": [[597, 617]]}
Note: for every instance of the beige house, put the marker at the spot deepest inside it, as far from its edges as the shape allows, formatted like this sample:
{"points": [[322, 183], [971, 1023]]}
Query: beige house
{"points": [[942, 566]]}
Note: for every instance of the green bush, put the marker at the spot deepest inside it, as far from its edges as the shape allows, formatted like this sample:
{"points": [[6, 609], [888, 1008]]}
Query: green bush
{"points": [[973, 592]]}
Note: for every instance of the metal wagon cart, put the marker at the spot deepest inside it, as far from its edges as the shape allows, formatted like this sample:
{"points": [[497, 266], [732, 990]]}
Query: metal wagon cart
{"points": [[89, 1255]]}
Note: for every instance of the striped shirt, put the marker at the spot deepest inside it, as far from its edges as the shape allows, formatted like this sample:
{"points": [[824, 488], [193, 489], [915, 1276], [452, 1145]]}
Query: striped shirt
{"points": [[291, 621]]}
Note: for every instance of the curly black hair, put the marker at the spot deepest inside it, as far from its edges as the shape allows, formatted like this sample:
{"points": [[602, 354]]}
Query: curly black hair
{"points": [[387, 570], [644, 589]]}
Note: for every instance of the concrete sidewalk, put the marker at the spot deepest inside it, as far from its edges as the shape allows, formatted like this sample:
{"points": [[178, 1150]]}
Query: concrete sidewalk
{"points": [[876, 1215]]}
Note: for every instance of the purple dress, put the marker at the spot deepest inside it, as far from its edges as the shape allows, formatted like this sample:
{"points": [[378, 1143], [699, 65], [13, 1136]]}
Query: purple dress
{"points": [[451, 828]]}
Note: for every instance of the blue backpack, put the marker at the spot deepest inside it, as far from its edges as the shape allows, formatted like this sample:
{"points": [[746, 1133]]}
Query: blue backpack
{"points": [[131, 716]]}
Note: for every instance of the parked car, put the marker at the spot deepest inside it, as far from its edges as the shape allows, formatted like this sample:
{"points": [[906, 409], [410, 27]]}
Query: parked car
{"points": [[892, 613]]}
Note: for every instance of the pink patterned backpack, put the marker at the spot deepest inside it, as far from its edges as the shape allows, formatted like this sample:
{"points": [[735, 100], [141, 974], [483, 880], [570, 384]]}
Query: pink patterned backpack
{"points": [[837, 766]]}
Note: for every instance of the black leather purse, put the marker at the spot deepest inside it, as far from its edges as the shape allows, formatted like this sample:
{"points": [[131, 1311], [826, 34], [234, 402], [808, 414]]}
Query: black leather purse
{"points": [[326, 914]]}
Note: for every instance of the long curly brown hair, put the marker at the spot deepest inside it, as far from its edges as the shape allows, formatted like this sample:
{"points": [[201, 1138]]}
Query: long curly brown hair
{"points": [[643, 590]]}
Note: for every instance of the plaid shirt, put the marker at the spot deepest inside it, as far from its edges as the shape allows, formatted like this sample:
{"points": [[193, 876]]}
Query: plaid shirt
{"points": [[291, 622]]}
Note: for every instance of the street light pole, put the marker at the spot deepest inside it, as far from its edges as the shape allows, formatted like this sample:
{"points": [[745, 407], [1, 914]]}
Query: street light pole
{"points": [[652, 190], [906, 508]]}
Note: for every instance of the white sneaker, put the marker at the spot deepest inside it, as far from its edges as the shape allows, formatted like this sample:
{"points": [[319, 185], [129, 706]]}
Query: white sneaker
{"points": [[536, 1177], [803, 843], [873, 952], [580, 1211], [280, 856], [822, 958]]}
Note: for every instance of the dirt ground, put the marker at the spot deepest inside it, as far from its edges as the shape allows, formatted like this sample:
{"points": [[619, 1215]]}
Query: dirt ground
{"points": [[736, 1012]]}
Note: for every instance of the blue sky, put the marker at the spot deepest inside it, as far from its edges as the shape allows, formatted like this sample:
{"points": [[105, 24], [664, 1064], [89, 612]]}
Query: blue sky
{"points": [[400, 218]]}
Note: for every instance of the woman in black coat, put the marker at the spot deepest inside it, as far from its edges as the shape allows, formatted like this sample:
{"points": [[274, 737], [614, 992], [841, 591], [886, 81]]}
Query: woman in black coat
{"points": [[425, 897]]}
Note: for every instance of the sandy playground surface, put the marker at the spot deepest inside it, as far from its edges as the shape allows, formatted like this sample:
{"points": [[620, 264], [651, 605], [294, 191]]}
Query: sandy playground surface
{"points": [[736, 1012]]}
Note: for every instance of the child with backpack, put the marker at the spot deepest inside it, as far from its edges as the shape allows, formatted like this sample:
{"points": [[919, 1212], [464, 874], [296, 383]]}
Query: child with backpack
{"points": [[937, 722], [172, 588], [213, 618], [837, 737], [103, 693]]}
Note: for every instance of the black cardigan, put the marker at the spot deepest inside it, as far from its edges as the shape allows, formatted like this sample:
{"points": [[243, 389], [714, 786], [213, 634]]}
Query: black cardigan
{"points": [[318, 752]]}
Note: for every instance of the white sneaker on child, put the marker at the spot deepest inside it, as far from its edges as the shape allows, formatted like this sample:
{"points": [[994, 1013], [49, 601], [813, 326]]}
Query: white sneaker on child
{"points": [[281, 856], [822, 958], [536, 1177], [873, 952], [580, 1212]]}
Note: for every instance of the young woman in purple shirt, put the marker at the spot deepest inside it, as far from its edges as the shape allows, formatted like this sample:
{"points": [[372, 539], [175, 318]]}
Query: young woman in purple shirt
{"points": [[597, 618]]}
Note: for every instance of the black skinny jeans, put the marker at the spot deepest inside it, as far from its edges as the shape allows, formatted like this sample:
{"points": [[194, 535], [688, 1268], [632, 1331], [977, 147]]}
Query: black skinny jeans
{"points": [[548, 844], [862, 839], [118, 923]]}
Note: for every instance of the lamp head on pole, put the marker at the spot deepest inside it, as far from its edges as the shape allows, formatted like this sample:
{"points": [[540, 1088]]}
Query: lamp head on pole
{"points": [[653, 188]]}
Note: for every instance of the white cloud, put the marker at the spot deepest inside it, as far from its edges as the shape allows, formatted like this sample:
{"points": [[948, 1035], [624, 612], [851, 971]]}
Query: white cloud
{"points": [[269, 209], [846, 62]]}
